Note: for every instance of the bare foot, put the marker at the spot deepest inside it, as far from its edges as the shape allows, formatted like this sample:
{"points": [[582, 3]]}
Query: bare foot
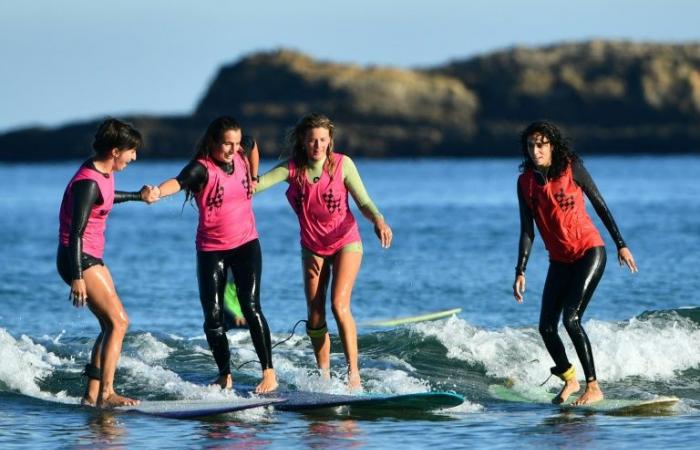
{"points": [[592, 394], [87, 401], [114, 399], [224, 382], [325, 373], [354, 383], [268, 382], [570, 387]]}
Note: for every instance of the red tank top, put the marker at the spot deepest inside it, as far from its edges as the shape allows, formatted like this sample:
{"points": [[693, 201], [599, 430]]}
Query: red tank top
{"points": [[226, 219], [560, 214], [325, 220], [94, 235]]}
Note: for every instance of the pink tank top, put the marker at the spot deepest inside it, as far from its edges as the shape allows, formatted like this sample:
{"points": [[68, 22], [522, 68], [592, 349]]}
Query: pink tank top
{"points": [[94, 235], [226, 219], [325, 220]]}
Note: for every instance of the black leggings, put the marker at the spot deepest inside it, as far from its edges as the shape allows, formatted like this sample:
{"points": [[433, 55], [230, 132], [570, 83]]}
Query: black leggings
{"points": [[568, 289], [246, 264]]}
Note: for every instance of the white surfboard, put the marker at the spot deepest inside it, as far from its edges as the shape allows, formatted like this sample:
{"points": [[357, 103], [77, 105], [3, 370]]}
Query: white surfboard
{"points": [[658, 405], [413, 319], [186, 409]]}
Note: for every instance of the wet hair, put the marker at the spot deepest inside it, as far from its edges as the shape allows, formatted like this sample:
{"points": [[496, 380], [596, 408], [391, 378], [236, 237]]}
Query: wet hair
{"points": [[562, 154], [113, 133], [213, 136], [297, 148]]}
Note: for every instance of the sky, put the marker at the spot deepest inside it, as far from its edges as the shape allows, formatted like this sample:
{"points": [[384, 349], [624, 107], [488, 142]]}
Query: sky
{"points": [[72, 60]]}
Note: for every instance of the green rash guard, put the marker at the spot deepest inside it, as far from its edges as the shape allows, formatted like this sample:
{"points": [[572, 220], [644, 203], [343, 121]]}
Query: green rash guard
{"points": [[351, 179]]}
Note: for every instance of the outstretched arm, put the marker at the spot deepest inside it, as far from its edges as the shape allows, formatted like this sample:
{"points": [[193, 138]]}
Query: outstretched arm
{"points": [[276, 175], [527, 236], [352, 180], [584, 180], [192, 177]]}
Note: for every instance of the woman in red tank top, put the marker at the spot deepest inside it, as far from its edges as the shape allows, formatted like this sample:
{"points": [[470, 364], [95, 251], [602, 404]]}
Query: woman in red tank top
{"points": [[550, 194]]}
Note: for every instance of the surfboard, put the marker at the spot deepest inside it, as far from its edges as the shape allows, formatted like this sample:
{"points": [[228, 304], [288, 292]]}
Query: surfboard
{"points": [[188, 409], [611, 406], [420, 401], [413, 319]]}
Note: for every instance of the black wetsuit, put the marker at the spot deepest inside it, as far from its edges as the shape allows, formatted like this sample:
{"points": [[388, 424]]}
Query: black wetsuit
{"points": [[245, 262], [71, 261], [568, 287]]}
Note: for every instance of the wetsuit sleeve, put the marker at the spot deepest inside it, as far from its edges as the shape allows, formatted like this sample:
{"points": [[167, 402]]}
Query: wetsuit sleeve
{"points": [[352, 180], [527, 234], [193, 177], [85, 194], [584, 180], [274, 176], [123, 196]]}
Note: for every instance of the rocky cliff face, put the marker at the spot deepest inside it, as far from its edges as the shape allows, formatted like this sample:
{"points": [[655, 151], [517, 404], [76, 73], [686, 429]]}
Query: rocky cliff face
{"points": [[609, 96]]}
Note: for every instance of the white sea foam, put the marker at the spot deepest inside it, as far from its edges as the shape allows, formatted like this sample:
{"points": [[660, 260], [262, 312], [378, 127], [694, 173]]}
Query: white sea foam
{"points": [[150, 349], [24, 363], [653, 349]]}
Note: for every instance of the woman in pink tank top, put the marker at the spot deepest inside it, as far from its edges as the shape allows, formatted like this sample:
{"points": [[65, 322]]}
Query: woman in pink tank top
{"points": [[219, 180], [87, 201], [320, 182]]}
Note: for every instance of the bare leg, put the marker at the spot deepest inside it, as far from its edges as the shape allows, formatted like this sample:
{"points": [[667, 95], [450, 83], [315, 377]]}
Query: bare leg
{"points": [[106, 305], [92, 390], [316, 275], [592, 394], [224, 381], [345, 269]]}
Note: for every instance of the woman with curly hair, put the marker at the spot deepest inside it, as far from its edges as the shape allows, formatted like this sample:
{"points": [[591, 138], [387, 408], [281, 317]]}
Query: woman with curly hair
{"points": [[550, 194], [319, 182]]}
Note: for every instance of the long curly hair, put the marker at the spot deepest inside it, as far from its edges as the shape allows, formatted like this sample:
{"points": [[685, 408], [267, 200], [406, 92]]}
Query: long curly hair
{"points": [[297, 148], [213, 135], [562, 154]]}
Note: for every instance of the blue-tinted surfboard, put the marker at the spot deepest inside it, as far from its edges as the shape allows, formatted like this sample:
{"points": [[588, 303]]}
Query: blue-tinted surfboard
{"points": [[420, 401]]}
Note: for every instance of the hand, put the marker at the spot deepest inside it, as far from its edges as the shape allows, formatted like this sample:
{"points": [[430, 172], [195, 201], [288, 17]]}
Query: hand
{"points": [[519, 288], [252, 185], [78, 293], [624, 256], [150, 194], [383, 232]]}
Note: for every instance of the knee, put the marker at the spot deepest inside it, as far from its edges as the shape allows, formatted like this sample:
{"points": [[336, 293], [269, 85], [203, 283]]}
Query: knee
{"points": [[340, 311], [120, 323], [214, 332], [547, 330], [571, 321]]}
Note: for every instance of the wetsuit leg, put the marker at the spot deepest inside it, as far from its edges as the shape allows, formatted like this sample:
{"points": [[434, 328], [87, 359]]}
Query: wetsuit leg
{"points": [[587, 273], [246, 264], [555, 286], [212, 281]]}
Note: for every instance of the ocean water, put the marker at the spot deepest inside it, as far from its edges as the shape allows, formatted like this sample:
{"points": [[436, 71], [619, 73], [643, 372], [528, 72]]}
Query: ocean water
{"points": [[456, 230]]}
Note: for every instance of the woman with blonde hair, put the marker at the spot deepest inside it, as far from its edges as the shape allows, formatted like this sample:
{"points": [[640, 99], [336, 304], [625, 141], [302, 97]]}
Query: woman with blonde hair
{"points": [[331, 248]]}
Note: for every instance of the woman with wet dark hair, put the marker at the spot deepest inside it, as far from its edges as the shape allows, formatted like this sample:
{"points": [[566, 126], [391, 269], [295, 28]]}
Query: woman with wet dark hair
{"points": [[86, 204], [550, 193], [220, 180]]}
